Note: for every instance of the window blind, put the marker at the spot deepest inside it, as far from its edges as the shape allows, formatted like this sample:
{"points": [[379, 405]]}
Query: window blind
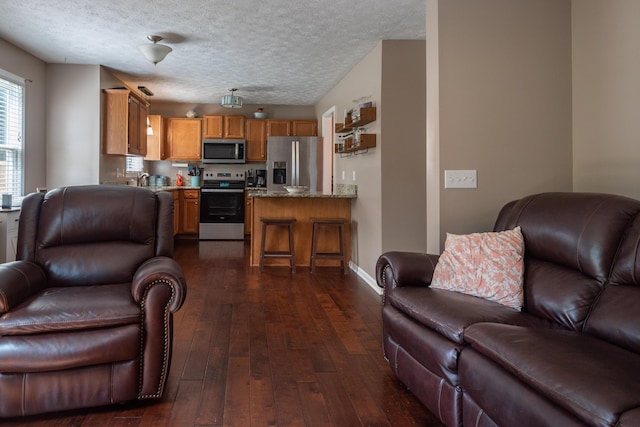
{"points": [[134, 164], [11, 137]]}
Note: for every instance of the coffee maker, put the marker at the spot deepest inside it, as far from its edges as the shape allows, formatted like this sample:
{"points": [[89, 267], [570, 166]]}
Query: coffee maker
{"points": [[260, 179], [250, 178]]}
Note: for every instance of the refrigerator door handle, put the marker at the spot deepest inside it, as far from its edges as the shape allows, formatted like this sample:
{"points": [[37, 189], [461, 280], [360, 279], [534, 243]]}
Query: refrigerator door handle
{"points": [[295, 163]]}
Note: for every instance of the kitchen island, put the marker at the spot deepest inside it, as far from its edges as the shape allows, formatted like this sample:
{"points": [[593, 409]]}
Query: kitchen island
{"points": [[303, 207]]}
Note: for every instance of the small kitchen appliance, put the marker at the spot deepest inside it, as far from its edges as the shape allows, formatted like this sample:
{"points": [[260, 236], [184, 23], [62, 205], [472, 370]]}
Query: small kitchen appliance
{"points": [[223, 151]]}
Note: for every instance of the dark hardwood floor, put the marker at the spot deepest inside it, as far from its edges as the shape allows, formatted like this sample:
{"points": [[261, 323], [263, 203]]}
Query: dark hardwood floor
{"points": [[270, 349]]}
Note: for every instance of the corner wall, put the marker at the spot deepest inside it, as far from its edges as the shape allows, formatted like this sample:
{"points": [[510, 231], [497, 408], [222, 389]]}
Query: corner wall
{"points": [[389, 213]]}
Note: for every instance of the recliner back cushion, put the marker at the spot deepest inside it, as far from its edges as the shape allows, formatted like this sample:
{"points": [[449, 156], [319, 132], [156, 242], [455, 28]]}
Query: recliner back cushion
{"points": [[88, 235], [615, 316], [571, 240]]}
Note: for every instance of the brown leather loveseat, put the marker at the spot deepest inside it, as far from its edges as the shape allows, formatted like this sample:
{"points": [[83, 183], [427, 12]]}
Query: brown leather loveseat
{"points": [[571, 357], [86, 310]]}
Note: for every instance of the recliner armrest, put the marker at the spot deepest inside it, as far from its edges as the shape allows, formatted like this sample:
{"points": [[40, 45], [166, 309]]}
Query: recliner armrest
{"points": [[160, 270], [18, 281], [405, 269]]}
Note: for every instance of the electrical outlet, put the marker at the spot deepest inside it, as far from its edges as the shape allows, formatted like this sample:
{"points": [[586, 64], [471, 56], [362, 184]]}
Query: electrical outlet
{"points": [[354, 175], [460, 179]]}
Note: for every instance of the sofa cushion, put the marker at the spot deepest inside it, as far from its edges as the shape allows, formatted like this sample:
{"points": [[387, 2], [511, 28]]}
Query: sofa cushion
{"points": [[449, 313], [72, 308], [594, 380], [486, 265]]}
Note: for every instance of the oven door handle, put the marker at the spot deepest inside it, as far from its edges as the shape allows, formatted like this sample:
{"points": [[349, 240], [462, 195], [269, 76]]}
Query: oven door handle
{"points": [[211, 190]]}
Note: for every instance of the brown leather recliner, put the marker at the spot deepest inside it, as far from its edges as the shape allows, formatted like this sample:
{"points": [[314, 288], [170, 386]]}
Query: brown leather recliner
{"points": [[86, 310]]}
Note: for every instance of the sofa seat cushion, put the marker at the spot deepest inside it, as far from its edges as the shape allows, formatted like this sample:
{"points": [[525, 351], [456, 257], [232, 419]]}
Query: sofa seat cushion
{"points": [[72, 308], [594, 380], [58, 351], [449, 312]]}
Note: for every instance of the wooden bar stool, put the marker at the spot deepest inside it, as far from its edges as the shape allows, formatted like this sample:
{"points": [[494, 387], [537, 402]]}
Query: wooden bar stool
{"points": [[341, 254], [290, 254]]}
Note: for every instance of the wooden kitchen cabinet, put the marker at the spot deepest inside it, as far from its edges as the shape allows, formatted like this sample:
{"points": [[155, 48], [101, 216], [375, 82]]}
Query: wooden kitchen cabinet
{"points": [[278, 127], [256, 133], [223, 126], [248, 204], [156, 142], [176, 211], [234, 126], [184, 139], [190, 211], [304, 128], [212, 126], [124, 123]]}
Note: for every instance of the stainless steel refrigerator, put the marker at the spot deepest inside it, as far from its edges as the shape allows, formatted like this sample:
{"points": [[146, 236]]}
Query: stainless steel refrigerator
{"points": [[294, 160]]}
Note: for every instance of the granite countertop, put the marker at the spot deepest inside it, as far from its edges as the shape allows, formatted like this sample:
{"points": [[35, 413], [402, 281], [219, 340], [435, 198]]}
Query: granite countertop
{"points": [[170, 187], [306, 194], [342, 191]]}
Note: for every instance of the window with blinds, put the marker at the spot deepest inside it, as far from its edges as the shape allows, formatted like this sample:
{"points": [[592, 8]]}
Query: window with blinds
{"points": [[11, 137], [134, 164]]}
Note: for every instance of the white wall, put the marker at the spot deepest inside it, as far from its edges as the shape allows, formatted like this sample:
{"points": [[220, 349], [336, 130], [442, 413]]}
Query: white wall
{"points": [[20, 63], [73, 131], [606, 96]]}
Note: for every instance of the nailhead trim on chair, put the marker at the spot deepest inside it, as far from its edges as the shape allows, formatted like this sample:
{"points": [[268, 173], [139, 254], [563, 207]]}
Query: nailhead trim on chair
{"points": [[165, 350]]}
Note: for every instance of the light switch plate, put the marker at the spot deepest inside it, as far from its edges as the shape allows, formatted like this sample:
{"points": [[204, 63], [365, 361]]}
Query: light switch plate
{"points": [[460, 179]]}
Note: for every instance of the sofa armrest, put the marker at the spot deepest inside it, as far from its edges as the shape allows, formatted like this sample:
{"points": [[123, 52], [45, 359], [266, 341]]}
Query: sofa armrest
{"points": [[160, 270], [160, 289], [405, 269], [18, 281]]}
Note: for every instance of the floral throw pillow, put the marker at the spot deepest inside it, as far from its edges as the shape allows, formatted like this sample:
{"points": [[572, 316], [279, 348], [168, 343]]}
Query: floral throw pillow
{"points": [[487, 265]]}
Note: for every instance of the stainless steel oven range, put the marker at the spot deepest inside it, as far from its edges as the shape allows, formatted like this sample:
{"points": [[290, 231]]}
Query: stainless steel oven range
{"points": [[222, 206]]}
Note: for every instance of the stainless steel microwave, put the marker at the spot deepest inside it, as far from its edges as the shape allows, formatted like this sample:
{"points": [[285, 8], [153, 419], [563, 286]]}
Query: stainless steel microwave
{"points": [[223, 150]]}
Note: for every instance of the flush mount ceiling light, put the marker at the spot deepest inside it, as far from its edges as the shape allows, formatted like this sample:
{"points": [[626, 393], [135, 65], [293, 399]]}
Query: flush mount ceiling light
{"points": [[231, 101], [154, 52]]}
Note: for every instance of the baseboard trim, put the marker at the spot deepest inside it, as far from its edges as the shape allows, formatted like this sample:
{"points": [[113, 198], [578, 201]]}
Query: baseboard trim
{"points": [[365, 276]]}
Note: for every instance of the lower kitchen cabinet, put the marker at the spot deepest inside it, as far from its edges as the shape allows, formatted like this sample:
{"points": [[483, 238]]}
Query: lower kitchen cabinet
{"points": [[248, 203], [190, 212], [8, 235], [176, 211]]}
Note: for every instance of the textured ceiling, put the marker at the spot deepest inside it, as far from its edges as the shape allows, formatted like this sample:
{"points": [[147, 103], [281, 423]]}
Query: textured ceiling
{"points": [[273, 51]]}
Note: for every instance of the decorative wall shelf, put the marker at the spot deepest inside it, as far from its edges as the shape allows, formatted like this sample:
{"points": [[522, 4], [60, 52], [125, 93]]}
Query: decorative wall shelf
{"points": [[367, 140], [367, 115]]}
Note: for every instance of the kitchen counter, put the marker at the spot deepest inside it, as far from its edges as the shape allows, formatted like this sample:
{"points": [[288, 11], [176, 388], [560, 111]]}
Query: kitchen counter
{"points": [[303, 207], [306, 194], [155, 188]]}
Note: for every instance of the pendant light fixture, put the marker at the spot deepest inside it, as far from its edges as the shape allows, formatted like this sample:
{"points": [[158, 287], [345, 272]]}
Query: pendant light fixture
{"points": [[231, 101], [153, 51]]}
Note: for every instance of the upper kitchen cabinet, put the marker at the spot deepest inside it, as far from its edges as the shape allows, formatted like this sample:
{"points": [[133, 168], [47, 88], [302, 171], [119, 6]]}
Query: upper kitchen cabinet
{"points": [[256, 132], [223, 126], [184, 139], [125, 123], [156, 142], [292, 128], [234, 126], [278, 127], [304, 128], [212, 126]]}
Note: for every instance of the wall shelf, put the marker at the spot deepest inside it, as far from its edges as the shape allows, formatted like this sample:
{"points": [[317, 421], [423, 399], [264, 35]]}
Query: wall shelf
{"points": [[367, 115], [367, 140]]}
